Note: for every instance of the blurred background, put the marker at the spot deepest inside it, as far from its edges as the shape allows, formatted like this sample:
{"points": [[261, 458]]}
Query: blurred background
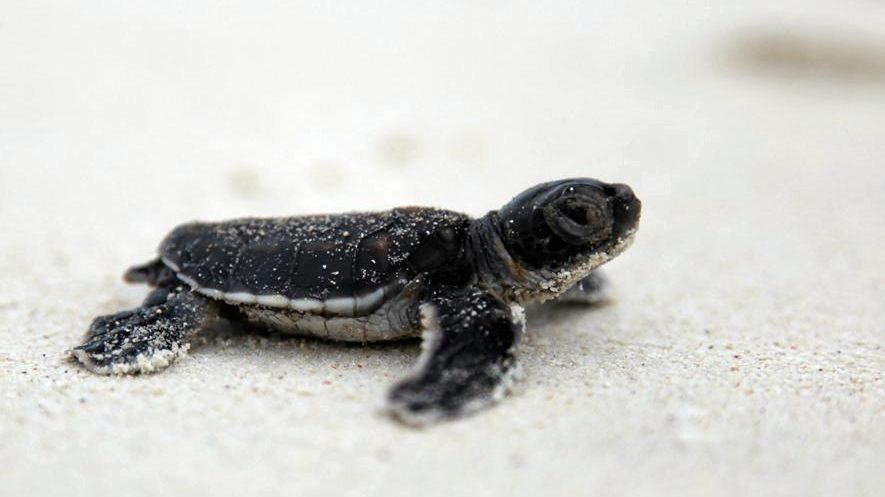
{"points": [[744, 353]]}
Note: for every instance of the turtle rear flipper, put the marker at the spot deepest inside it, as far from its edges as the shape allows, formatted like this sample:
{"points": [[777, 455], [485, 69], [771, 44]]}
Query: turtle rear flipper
{"points": [[148, 338], [154, 273]]}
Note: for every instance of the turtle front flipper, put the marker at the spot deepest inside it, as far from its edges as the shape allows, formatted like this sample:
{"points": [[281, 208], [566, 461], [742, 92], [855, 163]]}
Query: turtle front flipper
{"points": [[592, 290], [148, 338], [468, 361]]}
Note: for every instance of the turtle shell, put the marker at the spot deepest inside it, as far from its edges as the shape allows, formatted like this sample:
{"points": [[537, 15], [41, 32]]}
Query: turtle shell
{"points": [[343, 264]]}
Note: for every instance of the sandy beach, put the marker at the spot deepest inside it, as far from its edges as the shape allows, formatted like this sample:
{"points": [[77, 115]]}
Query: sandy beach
{"points": [[743, 352]]}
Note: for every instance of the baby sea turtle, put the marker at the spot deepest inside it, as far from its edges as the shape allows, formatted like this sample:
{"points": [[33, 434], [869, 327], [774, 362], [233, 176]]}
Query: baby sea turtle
{"points": [[381, 276]]}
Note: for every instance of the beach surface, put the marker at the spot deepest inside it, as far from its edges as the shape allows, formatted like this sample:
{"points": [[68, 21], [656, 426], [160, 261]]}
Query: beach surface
{"points": [[743, 352]]}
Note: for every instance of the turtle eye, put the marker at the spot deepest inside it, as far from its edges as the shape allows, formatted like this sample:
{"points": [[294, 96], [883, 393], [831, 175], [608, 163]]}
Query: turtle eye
{"points": [[574, 211], [582, 212], [596, 215], [578, 220]]}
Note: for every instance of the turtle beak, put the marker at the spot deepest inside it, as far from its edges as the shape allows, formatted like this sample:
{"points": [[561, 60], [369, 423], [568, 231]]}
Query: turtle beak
{"points": [[626, 209]]}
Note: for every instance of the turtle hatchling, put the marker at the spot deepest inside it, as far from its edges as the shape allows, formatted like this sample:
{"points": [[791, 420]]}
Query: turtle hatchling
{"points": [[458, 282]]}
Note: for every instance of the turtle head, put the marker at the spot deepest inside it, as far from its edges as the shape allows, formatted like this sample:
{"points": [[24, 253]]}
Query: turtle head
{"points": [[568, 222]]}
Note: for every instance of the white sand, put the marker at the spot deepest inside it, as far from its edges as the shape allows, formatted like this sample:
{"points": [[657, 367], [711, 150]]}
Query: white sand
{"points": [[743, 355]]}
